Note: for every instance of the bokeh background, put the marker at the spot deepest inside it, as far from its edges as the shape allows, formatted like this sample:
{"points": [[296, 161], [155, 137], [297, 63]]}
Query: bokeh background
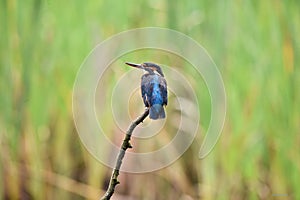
{"points": [[256, 46]]}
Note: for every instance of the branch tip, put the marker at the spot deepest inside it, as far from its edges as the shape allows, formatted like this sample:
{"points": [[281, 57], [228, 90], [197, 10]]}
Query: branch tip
{"points": [[125, 145]]}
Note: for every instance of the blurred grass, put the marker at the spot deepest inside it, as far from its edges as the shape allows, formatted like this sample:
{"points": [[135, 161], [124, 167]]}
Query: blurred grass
{"points": [[256, 46]]}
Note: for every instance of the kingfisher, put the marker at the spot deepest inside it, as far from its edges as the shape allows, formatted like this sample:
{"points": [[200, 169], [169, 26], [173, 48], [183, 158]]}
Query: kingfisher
{"points": [[153, 88]]}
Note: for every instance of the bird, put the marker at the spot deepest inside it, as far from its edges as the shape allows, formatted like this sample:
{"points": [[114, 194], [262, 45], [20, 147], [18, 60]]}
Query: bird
{"points": [[153, 88]]}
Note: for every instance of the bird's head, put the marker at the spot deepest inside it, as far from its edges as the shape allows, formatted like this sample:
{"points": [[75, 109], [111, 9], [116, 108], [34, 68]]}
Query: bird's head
{"points": [[149, 67]]}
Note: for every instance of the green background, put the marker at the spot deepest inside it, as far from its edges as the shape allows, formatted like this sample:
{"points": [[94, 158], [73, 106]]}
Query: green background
{"points": [[256, 46]]}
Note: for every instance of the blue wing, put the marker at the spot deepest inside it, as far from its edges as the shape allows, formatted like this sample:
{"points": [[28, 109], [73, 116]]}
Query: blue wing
{"points": [[164, 91], [154, 90]]}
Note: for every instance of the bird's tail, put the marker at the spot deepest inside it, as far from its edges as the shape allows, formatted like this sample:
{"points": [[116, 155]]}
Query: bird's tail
{"points": [[157, 111]]}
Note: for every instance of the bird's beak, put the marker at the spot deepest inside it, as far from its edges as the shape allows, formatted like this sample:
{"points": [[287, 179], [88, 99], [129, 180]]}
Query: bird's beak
{"points": [[140, 66]]}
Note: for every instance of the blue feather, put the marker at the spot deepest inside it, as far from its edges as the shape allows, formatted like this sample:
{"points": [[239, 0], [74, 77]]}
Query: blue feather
{"points": [[157, 112]]}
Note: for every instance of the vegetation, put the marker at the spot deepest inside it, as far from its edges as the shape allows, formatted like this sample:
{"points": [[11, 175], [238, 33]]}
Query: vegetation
{"points": [[256, 46]]}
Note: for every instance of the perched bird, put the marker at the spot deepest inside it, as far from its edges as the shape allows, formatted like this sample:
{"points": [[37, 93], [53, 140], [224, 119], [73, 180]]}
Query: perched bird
{"points": [[154, 89]]}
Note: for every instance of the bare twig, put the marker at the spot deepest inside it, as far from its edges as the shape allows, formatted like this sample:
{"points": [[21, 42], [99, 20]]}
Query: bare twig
{"points": [[125, 145]]}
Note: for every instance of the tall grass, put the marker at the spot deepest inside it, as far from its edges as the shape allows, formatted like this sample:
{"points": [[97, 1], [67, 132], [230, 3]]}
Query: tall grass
{"points": [[256, 46]]}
